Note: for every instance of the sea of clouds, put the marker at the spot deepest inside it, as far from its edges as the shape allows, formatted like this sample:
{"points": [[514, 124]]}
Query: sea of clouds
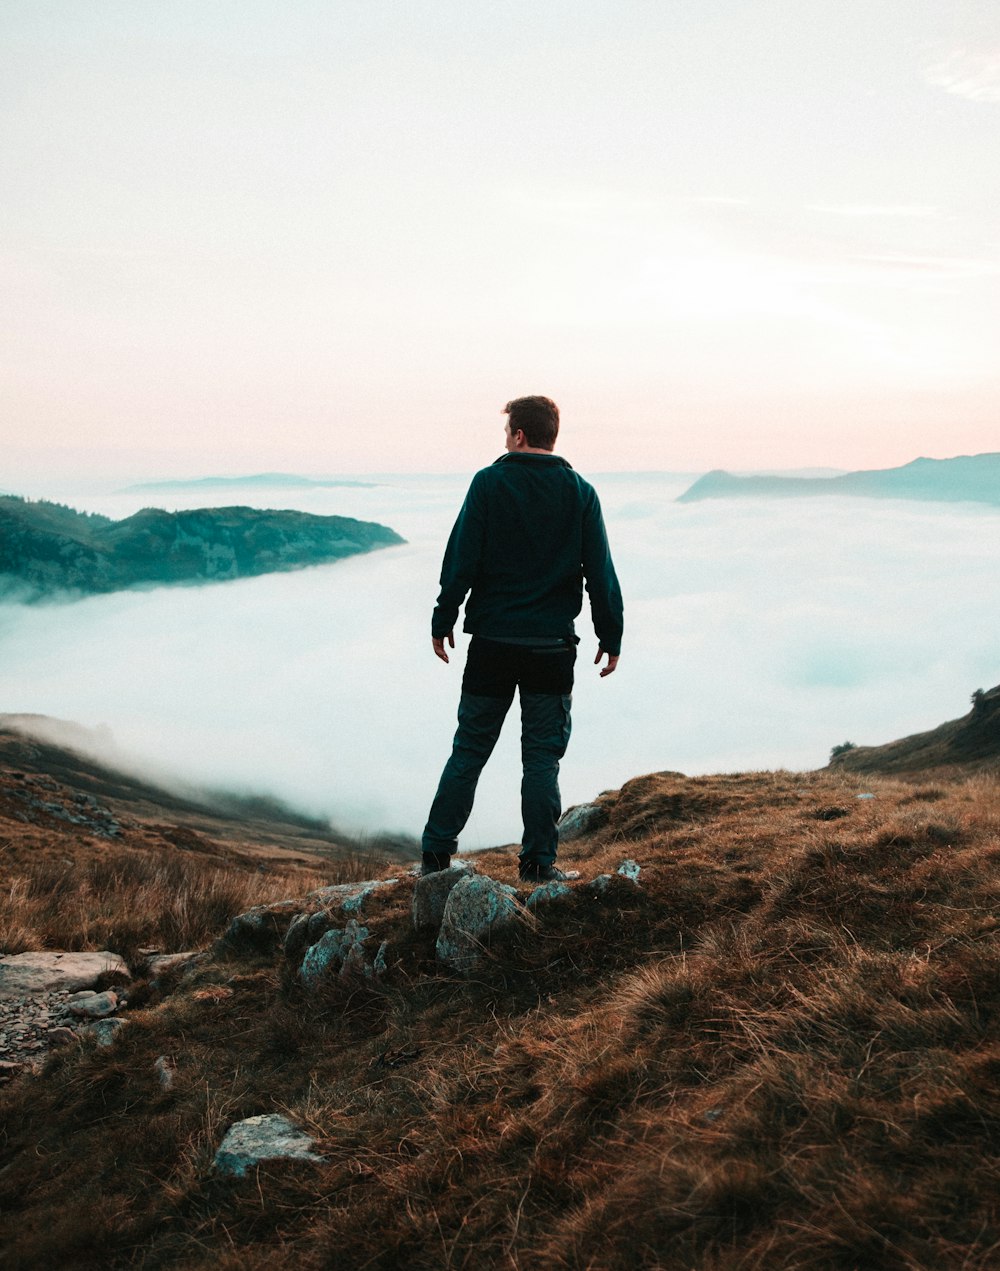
{"points": [[758, 635]]}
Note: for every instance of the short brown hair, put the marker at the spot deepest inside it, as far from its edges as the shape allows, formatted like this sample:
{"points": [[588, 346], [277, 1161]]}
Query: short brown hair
{"points": [[538, 419]]}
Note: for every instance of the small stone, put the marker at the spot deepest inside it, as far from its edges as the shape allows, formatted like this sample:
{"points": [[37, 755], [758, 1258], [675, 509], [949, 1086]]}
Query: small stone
{"points": [[165, 1068], [61, 1036], [600, 884], [629, 869], [97, 1006], [263, 1138], [104, 1031]]}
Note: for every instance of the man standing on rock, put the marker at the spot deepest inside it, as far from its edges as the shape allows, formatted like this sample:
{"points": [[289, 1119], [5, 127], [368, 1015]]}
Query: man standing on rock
{"points": [[529, 534]]}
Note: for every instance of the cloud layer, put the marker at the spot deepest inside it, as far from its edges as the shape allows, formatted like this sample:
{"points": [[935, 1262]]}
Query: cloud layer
{"points": [[757, 635]]}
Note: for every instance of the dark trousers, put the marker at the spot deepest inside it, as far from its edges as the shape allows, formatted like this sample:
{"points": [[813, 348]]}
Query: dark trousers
{"points": [[493, 671]]}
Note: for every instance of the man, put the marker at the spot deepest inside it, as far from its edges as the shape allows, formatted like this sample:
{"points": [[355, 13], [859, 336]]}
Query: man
{"points": [[529, 533]]}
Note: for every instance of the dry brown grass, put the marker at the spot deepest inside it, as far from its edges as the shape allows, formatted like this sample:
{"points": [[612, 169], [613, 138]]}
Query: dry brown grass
{"points": [[122, 898], [781, 1052]]}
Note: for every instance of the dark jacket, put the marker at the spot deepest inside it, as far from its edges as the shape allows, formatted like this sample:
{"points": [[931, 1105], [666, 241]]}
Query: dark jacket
{"points": [[529, 533]]}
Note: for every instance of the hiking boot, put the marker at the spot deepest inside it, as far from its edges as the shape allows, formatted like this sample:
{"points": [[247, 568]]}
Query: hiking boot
{"points": [[434, 862], [533, 872]]}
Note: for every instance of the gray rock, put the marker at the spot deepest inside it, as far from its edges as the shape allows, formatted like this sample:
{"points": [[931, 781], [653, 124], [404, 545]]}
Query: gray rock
{"points": [[160, 963], [547, 892], [430, 895], [600, 884], [629, 869], [476, 906], [22, 974], [297, 938], [104, 1031], [262, 928], [165, 1068], [90, 1005], [335, 953], [264, 1138], [61, 1036], [319, 924], [379, 963], [582, 819], [351, 896]]}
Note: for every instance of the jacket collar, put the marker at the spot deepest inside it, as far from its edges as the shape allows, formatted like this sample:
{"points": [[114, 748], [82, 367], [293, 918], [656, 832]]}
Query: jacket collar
{"points": [[519, 456]]}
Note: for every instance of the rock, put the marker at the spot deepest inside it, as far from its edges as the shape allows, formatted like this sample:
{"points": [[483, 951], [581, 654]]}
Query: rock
{"points": [[600, 884], [351, 896], [92, 1005], [318, 925], [165, 1068], [263, 1138], [629, 869], [430, 895], [379, 963], [22, 974], [61, 1036], [104, 1031], [548, 891], [337, 952], [476, 905], [160, 963], [297, 938], [262, 928], [582, 819]]}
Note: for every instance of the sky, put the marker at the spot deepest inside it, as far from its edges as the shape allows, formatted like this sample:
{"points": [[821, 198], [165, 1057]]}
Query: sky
{"points": [[290, 235], [758, 634]]}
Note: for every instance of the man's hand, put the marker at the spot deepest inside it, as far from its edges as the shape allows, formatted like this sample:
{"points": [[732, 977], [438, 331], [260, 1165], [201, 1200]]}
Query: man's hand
{"points": [[439, 648], [605, 670]]}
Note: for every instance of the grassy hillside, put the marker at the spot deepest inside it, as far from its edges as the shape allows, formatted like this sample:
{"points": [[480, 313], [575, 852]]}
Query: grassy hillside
{"points": [[967, 743], [780, 1051], [47, 547]]}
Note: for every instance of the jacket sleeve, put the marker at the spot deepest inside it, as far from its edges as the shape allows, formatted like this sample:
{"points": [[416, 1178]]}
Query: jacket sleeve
{"points": [[462, 559], [601, 579]]}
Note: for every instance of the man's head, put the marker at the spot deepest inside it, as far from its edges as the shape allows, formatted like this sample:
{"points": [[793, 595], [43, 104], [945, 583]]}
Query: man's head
{"points": [[537, 418]]}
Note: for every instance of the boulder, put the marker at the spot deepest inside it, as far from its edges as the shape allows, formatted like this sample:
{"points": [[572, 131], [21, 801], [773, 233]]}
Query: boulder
{"points": [[582, 819], [336, 953], [23, 974], [430, 895], [264, 1138], [262, 928], [476, 905], [297, 938], [548, 891]]}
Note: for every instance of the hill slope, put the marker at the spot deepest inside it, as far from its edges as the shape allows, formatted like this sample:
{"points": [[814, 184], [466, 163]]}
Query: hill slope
{"points": [[47, 548], [972, 741], [779, 1051], [966, 478]]}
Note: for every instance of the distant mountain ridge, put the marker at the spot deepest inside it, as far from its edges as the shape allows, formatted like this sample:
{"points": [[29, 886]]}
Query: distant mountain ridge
{"points": [[963, 479], [259, 480], [47, 547]]}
